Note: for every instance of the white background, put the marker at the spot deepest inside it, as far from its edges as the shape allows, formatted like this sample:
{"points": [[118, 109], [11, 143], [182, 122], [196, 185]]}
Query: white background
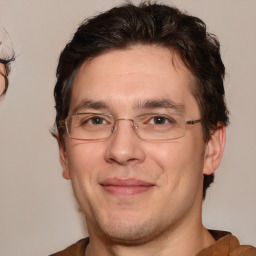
{"points": [[38, 213]]}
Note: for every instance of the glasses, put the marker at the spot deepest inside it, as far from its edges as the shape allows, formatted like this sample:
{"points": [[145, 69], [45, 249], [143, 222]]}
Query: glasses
{"points": [[3, 83], [150, 126]]}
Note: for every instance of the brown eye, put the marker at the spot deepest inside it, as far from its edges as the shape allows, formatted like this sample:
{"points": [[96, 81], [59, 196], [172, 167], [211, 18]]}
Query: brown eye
{"points": [[160, 120], [97, 120]]}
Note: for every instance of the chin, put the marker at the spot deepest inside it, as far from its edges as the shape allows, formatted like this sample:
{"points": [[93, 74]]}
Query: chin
{"points": [[130, 232]]}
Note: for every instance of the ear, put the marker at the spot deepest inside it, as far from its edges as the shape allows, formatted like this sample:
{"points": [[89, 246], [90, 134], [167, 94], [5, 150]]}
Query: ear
{"points": [[63, 159], [214, 150]]}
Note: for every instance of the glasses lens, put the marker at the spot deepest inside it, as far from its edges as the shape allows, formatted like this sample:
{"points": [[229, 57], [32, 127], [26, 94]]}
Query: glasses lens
{"points": [[87, 126], [160, 126]]}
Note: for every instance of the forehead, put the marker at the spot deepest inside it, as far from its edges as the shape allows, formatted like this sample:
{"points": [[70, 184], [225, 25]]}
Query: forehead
{"points": [[131, 75]]}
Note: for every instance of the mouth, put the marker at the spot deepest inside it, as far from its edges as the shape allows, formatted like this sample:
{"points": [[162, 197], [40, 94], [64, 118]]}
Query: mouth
{"points": [[126, 187]]}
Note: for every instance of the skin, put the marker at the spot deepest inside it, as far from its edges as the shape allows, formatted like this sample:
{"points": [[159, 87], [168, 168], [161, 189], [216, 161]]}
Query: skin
{"points": [[165, 218], [2, 79]]}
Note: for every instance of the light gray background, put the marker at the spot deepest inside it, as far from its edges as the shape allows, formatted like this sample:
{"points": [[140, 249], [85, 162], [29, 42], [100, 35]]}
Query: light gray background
{"points": [[38, 215]]}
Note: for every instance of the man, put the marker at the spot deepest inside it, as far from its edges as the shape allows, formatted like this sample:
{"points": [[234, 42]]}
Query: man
{"points": [[141, 120], [6, 57]]}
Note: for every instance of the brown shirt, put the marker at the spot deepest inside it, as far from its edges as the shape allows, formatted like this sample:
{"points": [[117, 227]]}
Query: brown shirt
{"points": [[226, 245]]}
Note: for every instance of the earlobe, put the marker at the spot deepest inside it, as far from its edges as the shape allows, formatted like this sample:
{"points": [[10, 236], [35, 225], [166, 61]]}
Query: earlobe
{"points": [[214, 150], [63, 159]]}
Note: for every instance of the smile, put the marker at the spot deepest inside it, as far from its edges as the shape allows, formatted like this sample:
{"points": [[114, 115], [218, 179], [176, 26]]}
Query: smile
{"points": [[126, 187]]}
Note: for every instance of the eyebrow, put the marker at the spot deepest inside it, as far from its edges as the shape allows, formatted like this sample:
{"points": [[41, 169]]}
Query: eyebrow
{"points": [[150, 104], [90, 104]]}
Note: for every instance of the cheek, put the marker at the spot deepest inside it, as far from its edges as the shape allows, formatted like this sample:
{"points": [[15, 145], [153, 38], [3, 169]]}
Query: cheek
{"points": [[180, 162], [84, 162], [84, 159]]}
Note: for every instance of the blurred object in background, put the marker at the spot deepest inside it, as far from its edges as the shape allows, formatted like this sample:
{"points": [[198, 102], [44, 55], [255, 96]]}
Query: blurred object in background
{"points": [[6, 57]]}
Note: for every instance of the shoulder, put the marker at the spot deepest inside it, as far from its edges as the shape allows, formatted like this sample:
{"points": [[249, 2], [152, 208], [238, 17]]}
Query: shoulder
{"points": [[226, 245], [244, 250], [76, 249]]}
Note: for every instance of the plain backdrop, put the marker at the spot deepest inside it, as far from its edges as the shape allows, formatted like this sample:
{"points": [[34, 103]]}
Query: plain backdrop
{"points": [[38, 213]]}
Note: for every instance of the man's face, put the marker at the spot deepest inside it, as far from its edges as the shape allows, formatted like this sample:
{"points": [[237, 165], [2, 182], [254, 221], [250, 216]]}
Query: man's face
{"points": [[2, 78], [132, 189]]}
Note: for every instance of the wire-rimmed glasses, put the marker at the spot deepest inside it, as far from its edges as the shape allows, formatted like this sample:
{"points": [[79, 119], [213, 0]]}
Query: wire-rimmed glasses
{"points": [[149, 126], [3, 83]]}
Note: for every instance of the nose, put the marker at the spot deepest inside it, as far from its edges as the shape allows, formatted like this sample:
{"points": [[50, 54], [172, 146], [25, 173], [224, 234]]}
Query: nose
{"points": [[124, 146]]}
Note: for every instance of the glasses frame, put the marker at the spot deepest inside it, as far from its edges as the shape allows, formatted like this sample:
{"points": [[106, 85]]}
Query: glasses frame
{"points": [[6, 83], [64, 123]]}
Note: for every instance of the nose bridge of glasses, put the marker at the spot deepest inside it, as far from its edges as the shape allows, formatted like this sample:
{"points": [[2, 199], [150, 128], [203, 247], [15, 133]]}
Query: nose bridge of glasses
{"points": [[114, 128]]}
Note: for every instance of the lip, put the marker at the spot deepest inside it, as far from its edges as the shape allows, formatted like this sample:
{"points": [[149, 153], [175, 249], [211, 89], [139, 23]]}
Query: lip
{"points": [[126, 187]]}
